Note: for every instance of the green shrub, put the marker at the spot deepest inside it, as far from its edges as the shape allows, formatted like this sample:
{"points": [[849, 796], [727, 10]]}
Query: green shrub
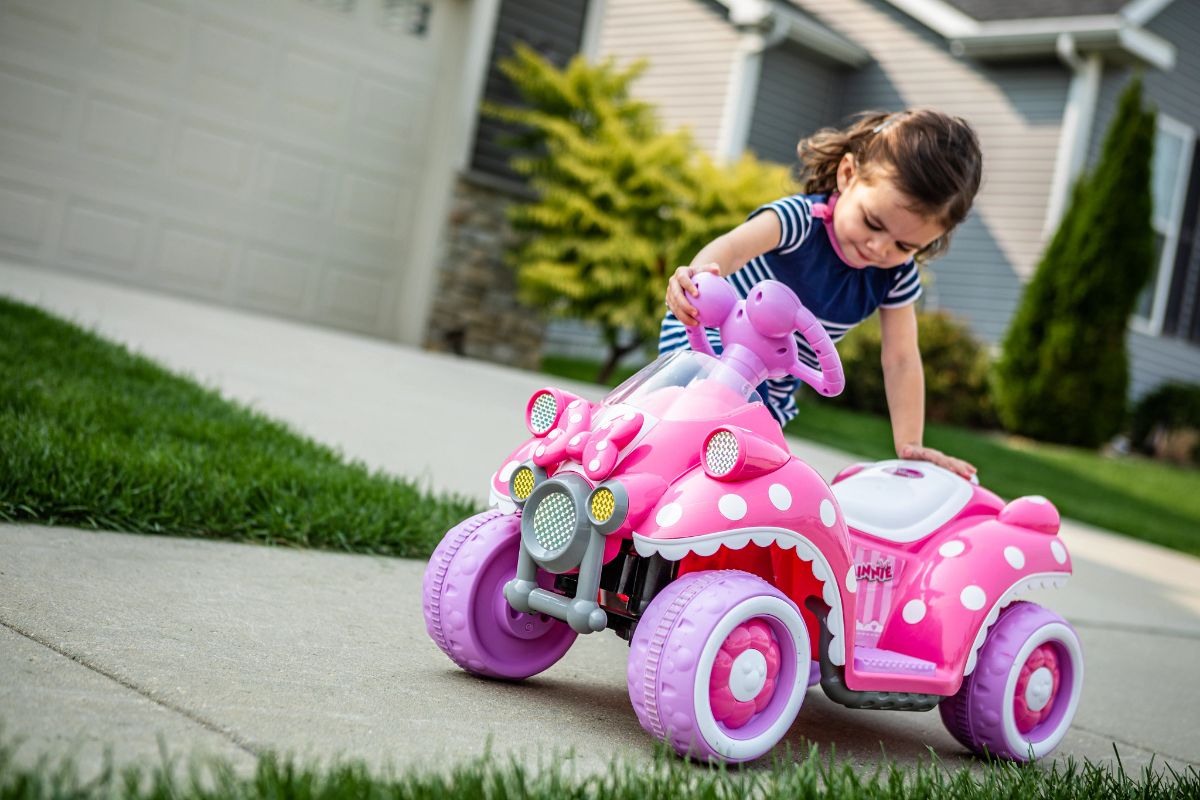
{"points": [[1170, 411], [1063, 375], [956, 368]]}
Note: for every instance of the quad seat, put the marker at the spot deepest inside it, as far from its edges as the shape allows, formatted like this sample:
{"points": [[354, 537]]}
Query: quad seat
{"points": [[901, 501]]}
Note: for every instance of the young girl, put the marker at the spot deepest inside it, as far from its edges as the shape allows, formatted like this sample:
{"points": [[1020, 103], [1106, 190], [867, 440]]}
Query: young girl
{"points": [[879, 196]]}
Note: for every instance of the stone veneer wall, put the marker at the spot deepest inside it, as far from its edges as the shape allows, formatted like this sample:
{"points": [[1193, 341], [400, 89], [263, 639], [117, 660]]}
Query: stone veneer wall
{"points": [[475, 311]]}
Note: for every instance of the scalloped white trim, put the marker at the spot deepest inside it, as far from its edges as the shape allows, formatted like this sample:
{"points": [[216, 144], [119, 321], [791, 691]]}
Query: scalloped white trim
{"points": [[1041, 580], [785, 539]]}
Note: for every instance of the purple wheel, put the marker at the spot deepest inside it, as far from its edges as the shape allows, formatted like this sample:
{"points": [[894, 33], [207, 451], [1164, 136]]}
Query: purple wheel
{"points": [[1022, 696], [718, 666], [466, 613]]}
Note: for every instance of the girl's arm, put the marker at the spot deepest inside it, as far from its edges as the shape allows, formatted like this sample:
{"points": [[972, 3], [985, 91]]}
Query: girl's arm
{"points": [[904, 383], [724, 255]]}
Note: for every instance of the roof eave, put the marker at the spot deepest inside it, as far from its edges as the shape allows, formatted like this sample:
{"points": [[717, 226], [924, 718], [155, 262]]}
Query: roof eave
{"points": [[1116, 40]]}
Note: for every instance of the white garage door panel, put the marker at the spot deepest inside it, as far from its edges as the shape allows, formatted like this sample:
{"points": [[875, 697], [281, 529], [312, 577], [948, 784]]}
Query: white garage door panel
{"points": [[263, 153]]}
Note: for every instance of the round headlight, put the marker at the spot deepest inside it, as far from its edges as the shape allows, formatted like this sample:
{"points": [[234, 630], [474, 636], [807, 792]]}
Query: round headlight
{"points": [[522, 483], [721, 453], [602, 504], [555, 529], [543, 412]]}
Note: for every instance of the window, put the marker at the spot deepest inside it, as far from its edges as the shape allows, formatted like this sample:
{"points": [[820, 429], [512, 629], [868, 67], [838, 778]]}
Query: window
{"points": [[1174, 144]]}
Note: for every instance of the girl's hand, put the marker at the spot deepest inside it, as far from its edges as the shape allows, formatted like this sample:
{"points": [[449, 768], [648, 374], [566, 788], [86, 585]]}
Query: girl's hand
{"points": [[680, 286], [918, 452]]}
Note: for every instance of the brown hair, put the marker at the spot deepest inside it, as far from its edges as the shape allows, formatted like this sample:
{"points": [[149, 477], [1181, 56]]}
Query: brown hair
{"points": [[933, 158]]}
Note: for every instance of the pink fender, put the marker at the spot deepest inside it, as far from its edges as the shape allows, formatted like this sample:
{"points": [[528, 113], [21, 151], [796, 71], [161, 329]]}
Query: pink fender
{"points": [[791, 517], [953, 591]]}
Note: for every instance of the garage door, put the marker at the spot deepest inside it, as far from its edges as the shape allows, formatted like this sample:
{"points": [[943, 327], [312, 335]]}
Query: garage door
{"points": [[259, 153]]}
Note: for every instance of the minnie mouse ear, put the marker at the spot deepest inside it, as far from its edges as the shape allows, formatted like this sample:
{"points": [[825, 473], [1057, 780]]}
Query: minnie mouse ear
{"points": [[772, 308]]}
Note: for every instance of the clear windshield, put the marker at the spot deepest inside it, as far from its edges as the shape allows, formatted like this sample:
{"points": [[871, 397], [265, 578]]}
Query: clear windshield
{"points": [[683, 369]]}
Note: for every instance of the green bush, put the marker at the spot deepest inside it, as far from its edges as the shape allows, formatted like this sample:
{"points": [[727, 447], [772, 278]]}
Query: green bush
{"points": [[956, 368], [1171, 410], [1064, 374]]}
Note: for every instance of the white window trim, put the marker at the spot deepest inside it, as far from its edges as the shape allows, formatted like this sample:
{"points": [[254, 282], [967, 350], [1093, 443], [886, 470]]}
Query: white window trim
{"points": [[1170, 229]]}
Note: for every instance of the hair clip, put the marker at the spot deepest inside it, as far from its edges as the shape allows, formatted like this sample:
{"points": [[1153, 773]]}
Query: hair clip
{"points": [[891, 120]]}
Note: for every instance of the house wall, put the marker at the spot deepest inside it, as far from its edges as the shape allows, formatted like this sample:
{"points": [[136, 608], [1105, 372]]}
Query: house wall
{"points": [[690, 48], [1016, 110], [1155, 359], [798, 93]]}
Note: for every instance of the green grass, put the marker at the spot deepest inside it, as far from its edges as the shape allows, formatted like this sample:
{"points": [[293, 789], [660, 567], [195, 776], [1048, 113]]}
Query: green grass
{"points": [[96, 437], [1135, 496], [813, 776]]}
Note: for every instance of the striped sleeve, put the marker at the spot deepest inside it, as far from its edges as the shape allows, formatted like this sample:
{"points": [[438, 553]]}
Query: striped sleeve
{"points": [[906, 286], [795, 221]]}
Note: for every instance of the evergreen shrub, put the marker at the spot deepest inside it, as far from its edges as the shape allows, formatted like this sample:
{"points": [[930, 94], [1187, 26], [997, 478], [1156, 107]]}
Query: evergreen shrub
{"points": [[956, 369], [1063, 374], [1166, 423]]}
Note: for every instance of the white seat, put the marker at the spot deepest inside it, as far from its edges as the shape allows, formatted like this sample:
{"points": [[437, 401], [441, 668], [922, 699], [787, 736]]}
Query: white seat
{"points": [[901, 501]]}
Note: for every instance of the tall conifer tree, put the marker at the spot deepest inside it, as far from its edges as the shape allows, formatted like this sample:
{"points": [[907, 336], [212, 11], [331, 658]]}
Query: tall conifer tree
{"points": [[1063, 375]]}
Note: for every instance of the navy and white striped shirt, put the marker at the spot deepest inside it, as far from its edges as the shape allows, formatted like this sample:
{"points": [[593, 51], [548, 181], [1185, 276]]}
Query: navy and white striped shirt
{"points": [[839, 295]]}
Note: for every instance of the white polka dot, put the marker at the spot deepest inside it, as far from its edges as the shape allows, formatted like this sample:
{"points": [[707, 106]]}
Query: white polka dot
{"points": [[732, 506], [781, 498], [574, 404], [973, 598], [1060, 552], [576, 439], [594, 465], [1014, 557], [541, 451], [1038, 499], [557, 432], [828, 514], [576, 419], [851, 581], [952, 548], [914, 612], [508, 469], [601, 445], [668, 515]]}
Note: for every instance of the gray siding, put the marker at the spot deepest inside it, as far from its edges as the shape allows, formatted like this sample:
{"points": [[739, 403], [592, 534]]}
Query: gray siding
{"points": [[798, 92], [554, 29], [1156, 359], [1017, 111], [690, 47]]}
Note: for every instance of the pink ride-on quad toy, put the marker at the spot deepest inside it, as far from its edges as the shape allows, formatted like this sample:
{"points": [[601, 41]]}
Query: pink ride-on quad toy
{"points": [[673, 513]]}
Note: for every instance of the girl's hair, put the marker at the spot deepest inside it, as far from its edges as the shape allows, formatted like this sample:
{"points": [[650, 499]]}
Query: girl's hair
{"points": [[933, 158]]}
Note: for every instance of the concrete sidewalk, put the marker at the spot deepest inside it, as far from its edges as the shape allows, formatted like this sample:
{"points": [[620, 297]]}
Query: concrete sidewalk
{"points": [[111, 640]]}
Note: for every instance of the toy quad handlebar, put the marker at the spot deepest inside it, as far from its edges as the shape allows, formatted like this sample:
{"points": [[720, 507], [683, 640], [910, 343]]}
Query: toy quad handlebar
{"points": [[756, 333]]}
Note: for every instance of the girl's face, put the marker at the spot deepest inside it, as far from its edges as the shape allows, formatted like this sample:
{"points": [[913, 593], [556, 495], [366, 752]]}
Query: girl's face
{"points": [[873, 222]]}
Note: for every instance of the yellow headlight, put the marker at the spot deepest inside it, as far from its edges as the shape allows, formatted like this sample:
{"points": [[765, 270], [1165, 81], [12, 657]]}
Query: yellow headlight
{"points": [[522, 483], [603, 504]]}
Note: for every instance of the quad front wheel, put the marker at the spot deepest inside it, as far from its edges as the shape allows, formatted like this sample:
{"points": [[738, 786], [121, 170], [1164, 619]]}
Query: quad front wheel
{"points": [[466, 612]]}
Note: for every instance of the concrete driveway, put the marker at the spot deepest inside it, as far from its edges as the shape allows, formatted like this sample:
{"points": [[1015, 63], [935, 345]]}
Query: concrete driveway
{"points": [[112, 640]]}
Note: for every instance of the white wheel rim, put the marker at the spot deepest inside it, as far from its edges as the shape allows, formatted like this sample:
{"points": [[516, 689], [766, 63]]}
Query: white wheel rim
{"points": [[744, 749], [1062, 635]]}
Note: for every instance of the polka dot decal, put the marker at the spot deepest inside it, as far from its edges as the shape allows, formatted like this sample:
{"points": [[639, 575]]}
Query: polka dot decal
{"points": [[851, 581], [952, 548], [732, 507], [781, 498], [668, 515], [913, 612], [973, 598], [1060, 552], [1014, 557], [828, 514]]}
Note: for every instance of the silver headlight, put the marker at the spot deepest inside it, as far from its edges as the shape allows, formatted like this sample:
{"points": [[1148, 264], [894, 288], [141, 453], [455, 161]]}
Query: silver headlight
{"points": [[554, 523]]}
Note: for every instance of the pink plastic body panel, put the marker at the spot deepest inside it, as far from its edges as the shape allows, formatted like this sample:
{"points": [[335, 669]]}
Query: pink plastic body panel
{"points": [[929, 599]]}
